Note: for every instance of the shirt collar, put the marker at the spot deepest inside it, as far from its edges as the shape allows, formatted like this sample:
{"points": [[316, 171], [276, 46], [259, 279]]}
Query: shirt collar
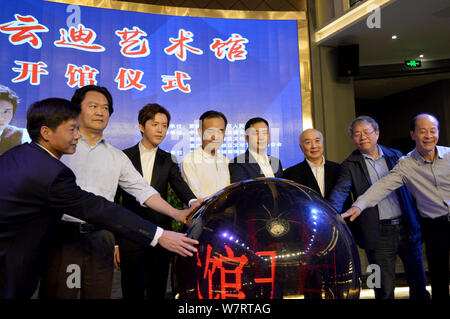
{"points": [[380, 154], [311, 164], [45, 149], [416, 155], [262, 157], [143, 149], [207, 155], [101, 140], [439, 152]]}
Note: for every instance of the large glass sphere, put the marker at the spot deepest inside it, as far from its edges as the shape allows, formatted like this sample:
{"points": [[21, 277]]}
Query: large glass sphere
{"points": [[269, 238]]}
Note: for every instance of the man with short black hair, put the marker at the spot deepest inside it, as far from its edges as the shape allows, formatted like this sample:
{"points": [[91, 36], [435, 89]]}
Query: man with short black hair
{"points": [[99, 168], [36, 188], [255, 162], [205, 170], [144, 270]]}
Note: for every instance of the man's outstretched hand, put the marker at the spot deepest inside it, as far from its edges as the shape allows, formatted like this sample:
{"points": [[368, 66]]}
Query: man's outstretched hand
{"points": [[178, 243], [185, 213], [353, 212]]}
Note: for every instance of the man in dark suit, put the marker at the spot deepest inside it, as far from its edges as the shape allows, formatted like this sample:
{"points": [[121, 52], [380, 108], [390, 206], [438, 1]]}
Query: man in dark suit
{"points": [[255, 162], [318, 174], [36, 189], [144, 271], [315, 171], [389, 229]]}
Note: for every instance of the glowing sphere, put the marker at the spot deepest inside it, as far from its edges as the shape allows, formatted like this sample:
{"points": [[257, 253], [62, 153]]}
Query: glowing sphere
{"points": [[269, 238]]}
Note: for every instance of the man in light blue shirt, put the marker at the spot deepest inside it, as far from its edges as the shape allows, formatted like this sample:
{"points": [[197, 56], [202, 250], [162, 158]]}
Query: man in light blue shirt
{"points": [[389, 207], [99, 168], [426, 173]]}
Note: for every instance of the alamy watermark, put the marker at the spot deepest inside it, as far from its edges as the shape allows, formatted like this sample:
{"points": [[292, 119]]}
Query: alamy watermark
{"points": [[374, 279], [373, 21], [74, 278]]}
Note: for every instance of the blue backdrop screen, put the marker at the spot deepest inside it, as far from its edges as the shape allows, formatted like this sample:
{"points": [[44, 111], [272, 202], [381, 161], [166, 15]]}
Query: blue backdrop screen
{"points": [[241, 67]]}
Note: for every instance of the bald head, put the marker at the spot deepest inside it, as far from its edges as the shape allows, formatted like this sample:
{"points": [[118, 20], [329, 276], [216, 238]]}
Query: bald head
{"points": [[308, 133], [311, 143], [424, 132], [425, 117]]}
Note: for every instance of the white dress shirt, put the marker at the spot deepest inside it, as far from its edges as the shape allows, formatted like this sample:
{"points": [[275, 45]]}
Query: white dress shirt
{"points": [[264, 164], [147, 161], [319, 173], [205, 174], [148, 164], [101, 168]]}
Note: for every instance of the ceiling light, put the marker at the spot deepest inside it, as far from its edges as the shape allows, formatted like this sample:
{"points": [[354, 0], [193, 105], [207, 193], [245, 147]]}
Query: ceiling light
{"points": [[421, 56], [394, 37]]}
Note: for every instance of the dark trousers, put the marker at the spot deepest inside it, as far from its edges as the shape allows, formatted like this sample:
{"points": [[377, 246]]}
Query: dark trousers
{"points": [[92, 253], [436, 234], [144, 273], [394, 241]]}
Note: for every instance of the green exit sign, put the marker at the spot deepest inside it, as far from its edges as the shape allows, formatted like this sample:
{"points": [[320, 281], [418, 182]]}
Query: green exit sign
{"points": [[413, 63]]}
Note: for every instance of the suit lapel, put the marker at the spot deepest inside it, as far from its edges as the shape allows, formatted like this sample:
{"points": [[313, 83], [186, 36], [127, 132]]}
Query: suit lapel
{"points": [[274, 161], [363, 165], [310, 177], [157, 167], [357, 157], [253, 164], [135, 158], [329, 174]]}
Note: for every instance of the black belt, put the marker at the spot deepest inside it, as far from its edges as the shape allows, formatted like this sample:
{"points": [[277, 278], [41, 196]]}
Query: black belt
{"points": [[83, 228], [393, 221]]}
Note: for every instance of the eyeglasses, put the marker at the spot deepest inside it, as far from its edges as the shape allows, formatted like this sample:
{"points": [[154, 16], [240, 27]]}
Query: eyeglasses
{"points": [[360, 134]]}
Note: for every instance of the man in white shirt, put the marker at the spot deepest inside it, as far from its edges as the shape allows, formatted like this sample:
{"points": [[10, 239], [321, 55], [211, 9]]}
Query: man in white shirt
{"points": [[99, 168], [255, 162], [205, 170], [315, 171]]}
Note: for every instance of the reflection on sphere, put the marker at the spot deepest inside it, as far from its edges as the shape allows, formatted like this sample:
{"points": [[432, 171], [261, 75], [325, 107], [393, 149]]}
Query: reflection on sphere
{"points": [[269, 238]]}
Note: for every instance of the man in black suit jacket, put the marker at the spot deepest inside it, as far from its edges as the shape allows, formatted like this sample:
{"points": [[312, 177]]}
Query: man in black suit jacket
{"points": [[36, 189], [144, 271], [255, 162], [315, 171]]}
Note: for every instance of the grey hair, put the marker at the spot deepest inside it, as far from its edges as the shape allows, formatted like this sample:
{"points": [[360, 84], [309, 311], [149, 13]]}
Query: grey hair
{"points": [[309, 129], [362, 119]]}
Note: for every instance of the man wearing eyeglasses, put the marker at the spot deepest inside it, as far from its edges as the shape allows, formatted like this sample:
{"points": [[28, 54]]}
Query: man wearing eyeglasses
{"points": [[389, 229]]}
